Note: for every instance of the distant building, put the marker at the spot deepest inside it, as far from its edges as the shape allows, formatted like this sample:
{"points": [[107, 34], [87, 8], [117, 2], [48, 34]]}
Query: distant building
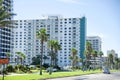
{"points": [[113, 53], [95, 41], [116, 55]]}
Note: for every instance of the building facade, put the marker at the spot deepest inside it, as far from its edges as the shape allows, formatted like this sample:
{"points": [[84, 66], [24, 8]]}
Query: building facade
{"points": [[115, 55], [66, 30], [5, 33], [95, 41]]}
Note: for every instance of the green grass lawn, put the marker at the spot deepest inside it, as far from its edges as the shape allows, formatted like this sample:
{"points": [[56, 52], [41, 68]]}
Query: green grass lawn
{"points": [[46, 75], [114, 70]]}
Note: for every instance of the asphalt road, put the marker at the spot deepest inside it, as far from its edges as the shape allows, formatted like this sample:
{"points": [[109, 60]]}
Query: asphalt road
{"points": [[101, 76]]}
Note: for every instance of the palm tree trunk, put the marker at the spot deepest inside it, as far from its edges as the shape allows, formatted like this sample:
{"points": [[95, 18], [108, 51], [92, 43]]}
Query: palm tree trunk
{"points": [[50, 71], [41, 57], [94, 63], [55, 61], [51, 62]]}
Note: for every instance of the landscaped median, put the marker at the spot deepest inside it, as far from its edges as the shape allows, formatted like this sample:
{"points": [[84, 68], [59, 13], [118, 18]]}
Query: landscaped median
{"points": [[46, 75]]}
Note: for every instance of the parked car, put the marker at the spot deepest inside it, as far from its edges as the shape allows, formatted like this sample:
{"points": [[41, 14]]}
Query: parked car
{"points": [[53, 69], [106, 70]]}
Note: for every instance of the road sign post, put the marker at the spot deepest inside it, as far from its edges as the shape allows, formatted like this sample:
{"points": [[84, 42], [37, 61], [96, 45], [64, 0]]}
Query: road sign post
{"points": [[4, 61]]}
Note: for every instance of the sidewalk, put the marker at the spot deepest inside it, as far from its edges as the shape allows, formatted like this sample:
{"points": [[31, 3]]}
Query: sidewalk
{"points": [[12, 74]]}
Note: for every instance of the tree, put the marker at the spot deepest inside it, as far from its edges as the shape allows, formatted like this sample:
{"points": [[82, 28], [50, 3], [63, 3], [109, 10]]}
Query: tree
{"points": [[20, 57], [54, 47], [89, 49], [23, 56], [74, 57], [94, 55], [8, 55], [4, 19], [87, 53], [86, 61], [116, 63], [5, 15], [36, 60], [110, 60], [100, 53], [41, 34], [51, 45], [57, 47]]}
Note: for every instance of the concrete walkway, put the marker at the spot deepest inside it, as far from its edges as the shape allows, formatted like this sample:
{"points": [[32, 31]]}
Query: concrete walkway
{"points": [[13, 74]]}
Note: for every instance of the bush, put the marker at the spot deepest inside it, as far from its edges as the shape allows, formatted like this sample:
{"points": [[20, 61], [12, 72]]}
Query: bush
{"points": [[16, 67], [22, 68], [10, 68], [5, 72], [45, 65], [57, 67], [38, 66]]}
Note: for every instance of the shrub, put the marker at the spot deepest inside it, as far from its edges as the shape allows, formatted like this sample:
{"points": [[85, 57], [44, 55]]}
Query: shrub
{"points": [[16, 67], [45, 65], [38, 66], [22, 68], [57, 67], [10, 68]]}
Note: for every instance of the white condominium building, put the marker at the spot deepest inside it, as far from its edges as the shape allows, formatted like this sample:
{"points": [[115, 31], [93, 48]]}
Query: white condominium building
{"points": [[95, 41], [70, 32]]}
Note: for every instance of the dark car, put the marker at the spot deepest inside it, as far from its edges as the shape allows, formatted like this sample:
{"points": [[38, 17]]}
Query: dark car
{"points": [[106, 70]]}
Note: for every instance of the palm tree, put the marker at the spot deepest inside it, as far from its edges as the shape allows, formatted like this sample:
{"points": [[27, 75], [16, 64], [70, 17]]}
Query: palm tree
{"points": [[51, 45], [18, 57], [4, 16], [74, 57], [41, 34], [57, 47], [23, 56], [89, 49], [100, 53], [86, 61], [8, 55], [118, 63], [94, 55], [87, 53], [110, 60]]}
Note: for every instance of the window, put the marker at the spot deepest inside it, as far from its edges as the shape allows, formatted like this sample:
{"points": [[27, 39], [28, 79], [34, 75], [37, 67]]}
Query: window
{"points": [[74, 27], [65, 22]]}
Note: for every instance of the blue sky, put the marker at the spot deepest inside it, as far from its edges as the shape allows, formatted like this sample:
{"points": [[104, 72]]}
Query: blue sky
{"points": [[103, 16]]}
